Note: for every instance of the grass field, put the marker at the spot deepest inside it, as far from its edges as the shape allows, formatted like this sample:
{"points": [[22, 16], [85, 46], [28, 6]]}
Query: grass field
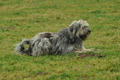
{"points": [[25, 18]]}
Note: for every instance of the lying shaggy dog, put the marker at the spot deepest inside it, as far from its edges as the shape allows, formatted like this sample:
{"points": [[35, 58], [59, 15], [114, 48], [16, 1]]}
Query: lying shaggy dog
{"points": [[68, 40]]}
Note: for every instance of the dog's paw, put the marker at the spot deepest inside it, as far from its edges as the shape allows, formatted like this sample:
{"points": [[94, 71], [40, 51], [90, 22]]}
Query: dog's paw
{"points": [[80, 52], [93, 49], [98, 50]]}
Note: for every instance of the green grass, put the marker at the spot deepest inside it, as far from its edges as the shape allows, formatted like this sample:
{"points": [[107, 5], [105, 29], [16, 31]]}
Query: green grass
{"points": [[25, 18]]}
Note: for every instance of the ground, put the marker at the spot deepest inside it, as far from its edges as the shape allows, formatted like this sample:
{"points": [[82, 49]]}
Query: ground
{"points": [[25, 18]]}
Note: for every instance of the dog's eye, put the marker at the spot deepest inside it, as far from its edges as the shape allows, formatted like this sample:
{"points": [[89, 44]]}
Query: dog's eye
{"points": [[84, 27]]}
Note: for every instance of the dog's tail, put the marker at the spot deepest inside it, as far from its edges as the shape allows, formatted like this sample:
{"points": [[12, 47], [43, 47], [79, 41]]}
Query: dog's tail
{"points": [[20, 48]]}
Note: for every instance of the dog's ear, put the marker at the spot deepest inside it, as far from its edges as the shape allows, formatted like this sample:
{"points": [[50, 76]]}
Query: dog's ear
{"points": [[74, 27]]}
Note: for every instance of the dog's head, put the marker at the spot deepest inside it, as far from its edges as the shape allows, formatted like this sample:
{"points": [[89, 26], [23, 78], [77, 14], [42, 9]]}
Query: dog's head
{"points": [[80, 29]]}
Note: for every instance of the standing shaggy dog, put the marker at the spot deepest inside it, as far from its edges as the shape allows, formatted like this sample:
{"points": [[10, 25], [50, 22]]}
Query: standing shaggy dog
{"points": [[68, 40]]}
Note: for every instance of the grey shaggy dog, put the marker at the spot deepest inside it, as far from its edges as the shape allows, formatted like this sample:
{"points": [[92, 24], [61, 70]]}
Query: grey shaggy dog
{"points": [[68, 40]]}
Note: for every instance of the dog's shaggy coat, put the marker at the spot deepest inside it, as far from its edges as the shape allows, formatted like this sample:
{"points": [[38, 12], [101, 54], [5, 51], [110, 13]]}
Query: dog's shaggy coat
{"points": [[68, 40]]}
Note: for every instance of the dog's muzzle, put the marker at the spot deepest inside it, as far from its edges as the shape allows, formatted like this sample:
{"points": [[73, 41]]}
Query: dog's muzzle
{"points": [[83, 37], [88, 32]]}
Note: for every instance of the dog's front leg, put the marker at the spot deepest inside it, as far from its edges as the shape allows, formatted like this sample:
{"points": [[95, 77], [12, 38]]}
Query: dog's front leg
{"points": [[92, 49], [82, 50], [85, 50]]}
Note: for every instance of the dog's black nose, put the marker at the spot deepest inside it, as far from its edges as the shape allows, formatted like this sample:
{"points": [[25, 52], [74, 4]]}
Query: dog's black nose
{"points": [[89, 31]]}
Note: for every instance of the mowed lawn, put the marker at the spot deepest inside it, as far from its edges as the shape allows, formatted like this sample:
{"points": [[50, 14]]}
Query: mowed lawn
{"points": [[25, 18]]}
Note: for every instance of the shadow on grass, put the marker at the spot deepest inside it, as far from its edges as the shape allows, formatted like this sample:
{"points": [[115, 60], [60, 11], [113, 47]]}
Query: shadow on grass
{"points": [[84, 55]]}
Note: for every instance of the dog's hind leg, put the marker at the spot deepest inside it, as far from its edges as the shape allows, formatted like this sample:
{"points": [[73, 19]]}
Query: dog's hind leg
{"points": [[41, 47]]}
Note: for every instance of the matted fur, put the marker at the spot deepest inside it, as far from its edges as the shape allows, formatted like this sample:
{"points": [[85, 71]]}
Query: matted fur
{"points": [[68, 40]]}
